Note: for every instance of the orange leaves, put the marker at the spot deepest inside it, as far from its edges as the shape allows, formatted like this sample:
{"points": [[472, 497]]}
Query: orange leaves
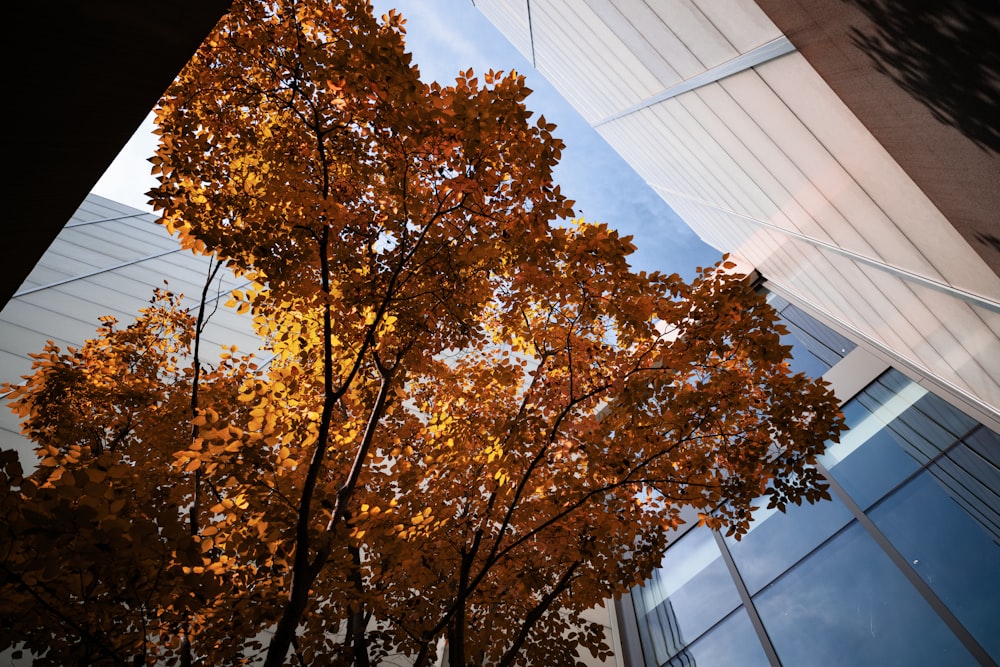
{"points": [[422, 525], [228, 504], [469, 400], [240, 301]]}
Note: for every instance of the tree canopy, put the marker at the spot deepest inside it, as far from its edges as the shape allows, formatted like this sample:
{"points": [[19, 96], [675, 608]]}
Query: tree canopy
{"points": [[474, 421]]}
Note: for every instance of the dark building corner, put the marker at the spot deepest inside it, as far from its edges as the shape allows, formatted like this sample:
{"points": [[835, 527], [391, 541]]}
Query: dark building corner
{"points": [[85, 76]]}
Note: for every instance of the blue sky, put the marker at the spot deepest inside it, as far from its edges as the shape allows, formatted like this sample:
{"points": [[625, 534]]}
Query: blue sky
{"points": [[448, 36]]}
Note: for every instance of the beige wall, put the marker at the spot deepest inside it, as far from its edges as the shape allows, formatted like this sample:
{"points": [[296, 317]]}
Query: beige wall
{"points": [[761, 157]]}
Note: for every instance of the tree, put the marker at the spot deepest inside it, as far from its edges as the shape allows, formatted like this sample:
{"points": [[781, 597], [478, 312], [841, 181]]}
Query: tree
{"points": [[475, 422], [97, 558]]}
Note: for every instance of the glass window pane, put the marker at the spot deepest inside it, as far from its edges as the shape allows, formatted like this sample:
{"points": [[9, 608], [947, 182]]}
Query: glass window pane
{"points": [[986, 444], [777, 541], [848, 604], [815, 347], [950, 550], [873, 468], [970, 473], [732, 642], [690, 593], [895, 427]]}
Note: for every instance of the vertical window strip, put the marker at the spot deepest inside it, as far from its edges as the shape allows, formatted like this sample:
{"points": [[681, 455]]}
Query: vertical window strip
{"points": [[901, 563]]}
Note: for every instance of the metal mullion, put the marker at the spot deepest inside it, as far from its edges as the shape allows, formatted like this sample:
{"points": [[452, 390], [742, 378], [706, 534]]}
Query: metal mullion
{"points": [[744, 593], [922, 587], [776, 48], [90, 274], [84, 223]]}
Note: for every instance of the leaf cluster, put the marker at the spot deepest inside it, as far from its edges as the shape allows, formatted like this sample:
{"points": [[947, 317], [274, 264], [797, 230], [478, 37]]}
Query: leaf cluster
{"points": [[476, 421]]}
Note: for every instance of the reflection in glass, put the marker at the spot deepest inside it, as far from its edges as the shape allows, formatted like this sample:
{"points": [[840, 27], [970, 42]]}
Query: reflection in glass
{"points": [[732, 642], [950, 550], [815, 347], [848, 604], [971, 474], [895, 427], [777, 541], [690, 592], [928, 476], [868, 461]]}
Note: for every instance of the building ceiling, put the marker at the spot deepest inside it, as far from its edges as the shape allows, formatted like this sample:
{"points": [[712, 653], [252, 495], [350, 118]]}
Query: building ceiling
{"points": [[82, 76]]}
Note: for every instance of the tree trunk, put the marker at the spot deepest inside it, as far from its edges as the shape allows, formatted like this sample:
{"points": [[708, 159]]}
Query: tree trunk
{"points": [[456, 640], [456, 629], [357, 624], [284, 633]]}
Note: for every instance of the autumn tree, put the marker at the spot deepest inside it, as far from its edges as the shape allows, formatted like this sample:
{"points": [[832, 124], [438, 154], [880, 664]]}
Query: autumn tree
{"points": [[476, 421], [99, 563]]}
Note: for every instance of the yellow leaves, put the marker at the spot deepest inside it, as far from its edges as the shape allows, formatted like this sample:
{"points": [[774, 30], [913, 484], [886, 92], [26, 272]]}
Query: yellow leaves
{"points": [[250, 181], [422, 523], [239, 501], [440, 424], [388, 325], [241, 300], [368, 511], [506, 316], [396, 451], [494, 452]]}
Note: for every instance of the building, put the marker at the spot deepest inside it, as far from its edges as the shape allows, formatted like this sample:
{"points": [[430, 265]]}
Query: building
{"points": [[842, 187], [105, 261], [901, 567], [96, 69], [809, 138], [817, 140]]}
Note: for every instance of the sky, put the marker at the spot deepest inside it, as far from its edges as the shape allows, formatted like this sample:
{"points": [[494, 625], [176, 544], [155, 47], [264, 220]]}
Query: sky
{"points": [[448, 36]]}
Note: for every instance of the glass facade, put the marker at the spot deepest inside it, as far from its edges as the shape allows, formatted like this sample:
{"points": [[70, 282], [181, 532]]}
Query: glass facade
{"points": [[847, 604], [689, 595], [815, 348], [902, 567]]}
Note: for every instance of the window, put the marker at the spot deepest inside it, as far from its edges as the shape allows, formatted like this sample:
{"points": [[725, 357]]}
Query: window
{"points": [[689, 594], [848, 604]]}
